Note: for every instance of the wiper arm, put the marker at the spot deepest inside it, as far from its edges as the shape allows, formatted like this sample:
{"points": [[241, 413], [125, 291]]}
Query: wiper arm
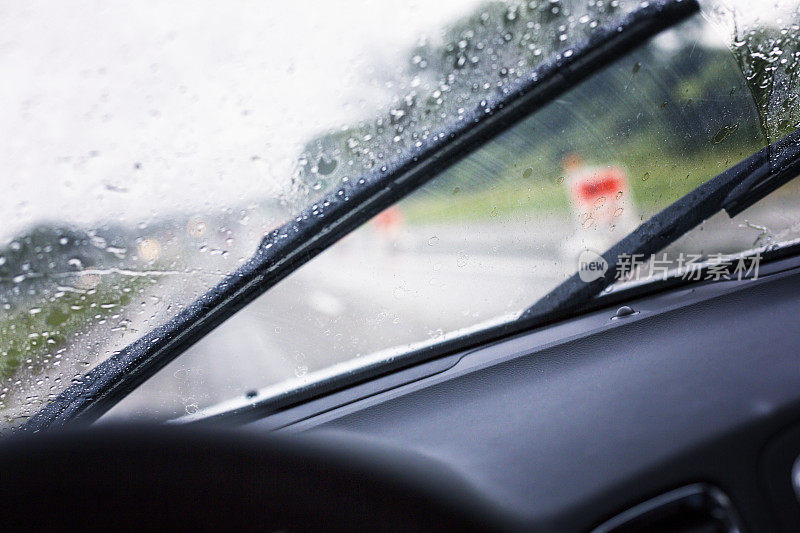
{"points": [[734, 190]]}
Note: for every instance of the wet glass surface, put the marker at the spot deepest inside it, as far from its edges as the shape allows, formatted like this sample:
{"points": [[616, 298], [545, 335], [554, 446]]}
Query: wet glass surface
{"points": [[148, 151]]}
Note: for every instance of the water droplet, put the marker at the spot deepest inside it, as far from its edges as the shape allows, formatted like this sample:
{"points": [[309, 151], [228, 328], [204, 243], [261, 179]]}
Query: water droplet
{"points": [[723, 133], [326, 166]]}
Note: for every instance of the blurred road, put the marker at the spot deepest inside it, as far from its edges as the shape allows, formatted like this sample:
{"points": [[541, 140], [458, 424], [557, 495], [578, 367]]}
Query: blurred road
{"points": [[368, 294], [371, 292], [349, 302]]}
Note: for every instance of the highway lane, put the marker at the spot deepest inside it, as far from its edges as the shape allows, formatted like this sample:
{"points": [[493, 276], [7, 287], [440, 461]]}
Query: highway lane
{"points": [[368, 293], [336, 308]]}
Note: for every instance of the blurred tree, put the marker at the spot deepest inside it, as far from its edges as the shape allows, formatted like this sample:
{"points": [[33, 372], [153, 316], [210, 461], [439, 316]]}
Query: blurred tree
{"points": [[479, 56], [769, 57]]}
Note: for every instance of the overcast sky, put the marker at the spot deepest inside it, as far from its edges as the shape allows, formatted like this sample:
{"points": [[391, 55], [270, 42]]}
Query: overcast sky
{"points": [[188, 92], [113, 110]]}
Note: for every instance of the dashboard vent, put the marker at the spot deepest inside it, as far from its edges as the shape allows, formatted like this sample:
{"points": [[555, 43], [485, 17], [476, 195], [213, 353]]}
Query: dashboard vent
{"points": [[697, 508]]}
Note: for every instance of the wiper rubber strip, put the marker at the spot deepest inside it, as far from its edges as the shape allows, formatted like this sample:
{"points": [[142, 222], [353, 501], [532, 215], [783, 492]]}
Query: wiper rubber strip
{"points": [[733, 190], [287, 248]]}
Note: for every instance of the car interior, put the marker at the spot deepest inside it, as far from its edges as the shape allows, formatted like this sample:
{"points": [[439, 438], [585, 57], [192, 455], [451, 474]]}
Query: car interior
{"points": [[596, 423], [607, 405]]}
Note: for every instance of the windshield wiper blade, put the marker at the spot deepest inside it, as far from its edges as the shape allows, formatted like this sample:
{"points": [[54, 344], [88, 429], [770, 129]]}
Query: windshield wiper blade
{"points": [[329, 219], [734, 190], [780, 167]]}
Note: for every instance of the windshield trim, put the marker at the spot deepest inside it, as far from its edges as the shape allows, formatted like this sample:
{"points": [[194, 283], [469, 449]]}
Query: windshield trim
{"points": [[296, 242]]}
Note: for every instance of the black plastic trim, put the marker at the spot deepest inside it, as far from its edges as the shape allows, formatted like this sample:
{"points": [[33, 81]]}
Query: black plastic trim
{"points": [[699, 498]]}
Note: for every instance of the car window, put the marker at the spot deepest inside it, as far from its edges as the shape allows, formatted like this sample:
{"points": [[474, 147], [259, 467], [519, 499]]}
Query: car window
{"points": [[150, 149], [147, 149], [498, 230]]}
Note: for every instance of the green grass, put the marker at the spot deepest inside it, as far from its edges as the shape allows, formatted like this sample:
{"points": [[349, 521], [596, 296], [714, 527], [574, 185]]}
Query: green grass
{"points": [[33, 333], [655, 183], [501, 199]]}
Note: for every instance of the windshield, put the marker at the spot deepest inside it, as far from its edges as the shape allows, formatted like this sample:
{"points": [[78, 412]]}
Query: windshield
{"points": [[145, 170]]}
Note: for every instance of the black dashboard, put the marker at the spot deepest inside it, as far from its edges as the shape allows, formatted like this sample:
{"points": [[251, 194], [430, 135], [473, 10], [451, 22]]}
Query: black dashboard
{"points": [[567, 427], [683, 415]]}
